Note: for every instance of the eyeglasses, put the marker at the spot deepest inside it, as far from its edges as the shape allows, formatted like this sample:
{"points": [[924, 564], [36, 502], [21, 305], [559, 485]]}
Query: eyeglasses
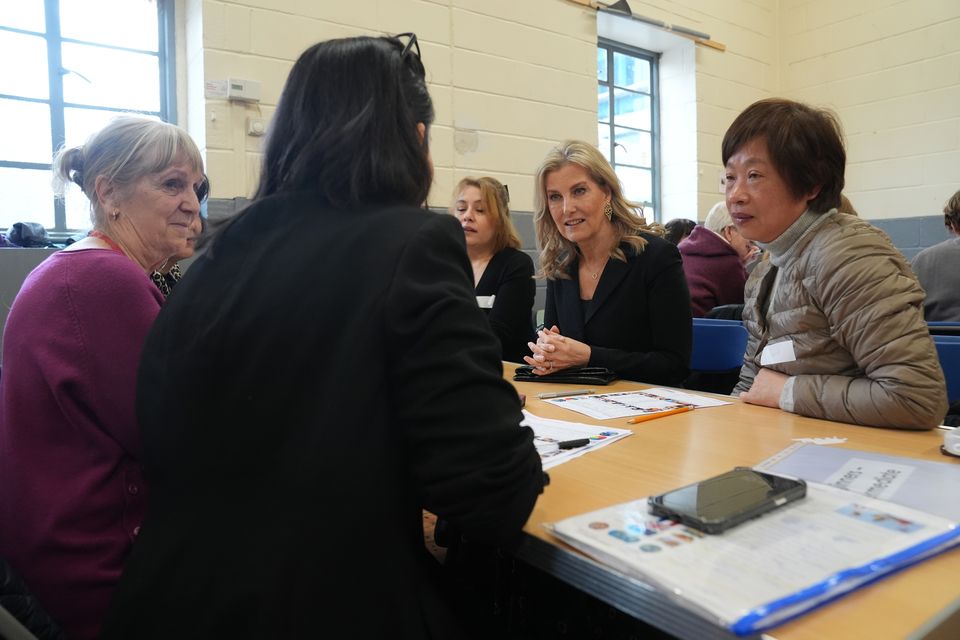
{"points": [[411, 43]]}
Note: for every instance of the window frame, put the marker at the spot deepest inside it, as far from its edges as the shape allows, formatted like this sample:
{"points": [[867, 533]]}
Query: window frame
{"points": [[653, 58], [166, 27]]}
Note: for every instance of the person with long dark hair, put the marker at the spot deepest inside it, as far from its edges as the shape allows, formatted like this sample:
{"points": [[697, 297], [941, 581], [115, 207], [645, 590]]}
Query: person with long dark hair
{"points": [[298, 398]]}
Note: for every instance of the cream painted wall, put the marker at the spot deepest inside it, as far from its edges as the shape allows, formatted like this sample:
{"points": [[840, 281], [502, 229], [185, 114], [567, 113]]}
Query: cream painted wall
{"points": [[510, 78], [891, 70]]}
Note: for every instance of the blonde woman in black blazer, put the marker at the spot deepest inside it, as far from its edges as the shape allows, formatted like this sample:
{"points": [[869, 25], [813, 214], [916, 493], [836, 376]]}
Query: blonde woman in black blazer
{"points": [[616, 293]]}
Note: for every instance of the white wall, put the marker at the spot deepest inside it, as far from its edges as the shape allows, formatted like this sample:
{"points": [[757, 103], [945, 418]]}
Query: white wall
{"points": [[510, 78], [891, 70]]}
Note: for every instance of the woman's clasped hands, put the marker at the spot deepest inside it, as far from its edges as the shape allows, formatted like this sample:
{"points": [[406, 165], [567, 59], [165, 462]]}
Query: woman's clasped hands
{"points": [[554, 352]]}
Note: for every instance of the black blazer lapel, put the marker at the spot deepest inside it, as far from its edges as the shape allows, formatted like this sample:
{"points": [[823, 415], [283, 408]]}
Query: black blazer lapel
{"points": [[613, 273]]}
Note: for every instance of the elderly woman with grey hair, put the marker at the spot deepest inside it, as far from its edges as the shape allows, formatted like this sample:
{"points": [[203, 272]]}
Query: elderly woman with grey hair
{"points": [[71, 476], [713, 260]]}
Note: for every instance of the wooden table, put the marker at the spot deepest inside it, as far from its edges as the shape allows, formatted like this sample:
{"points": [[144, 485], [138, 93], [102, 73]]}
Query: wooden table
{"points": [[662, 454]]}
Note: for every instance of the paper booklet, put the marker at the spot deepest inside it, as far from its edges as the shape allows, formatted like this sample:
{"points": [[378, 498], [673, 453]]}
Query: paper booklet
{"points": [[765, 571], [931, 487]]}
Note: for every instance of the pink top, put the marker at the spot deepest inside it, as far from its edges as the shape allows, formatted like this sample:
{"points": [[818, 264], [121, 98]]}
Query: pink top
{"points": [[71, 486]]}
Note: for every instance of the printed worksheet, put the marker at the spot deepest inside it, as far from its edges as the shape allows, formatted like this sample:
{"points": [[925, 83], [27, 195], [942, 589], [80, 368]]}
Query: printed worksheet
{"points": [[626, 404], [547, 434]]}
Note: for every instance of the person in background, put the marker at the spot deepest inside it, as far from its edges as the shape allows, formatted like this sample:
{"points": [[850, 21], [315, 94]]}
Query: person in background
{"points": [[72, 492], [502, 274], [300, 404], [616, 294], [938, 268], [678, 229], [835, 323], [169, 274], [714, 255]]}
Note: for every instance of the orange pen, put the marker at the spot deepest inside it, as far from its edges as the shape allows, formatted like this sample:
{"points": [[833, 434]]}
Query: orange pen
{"points": [[654, 416]]}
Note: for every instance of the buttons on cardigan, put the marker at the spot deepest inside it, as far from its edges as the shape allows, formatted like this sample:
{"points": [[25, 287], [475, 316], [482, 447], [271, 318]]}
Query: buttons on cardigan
{"points": [[133, 489], [136, 531]]}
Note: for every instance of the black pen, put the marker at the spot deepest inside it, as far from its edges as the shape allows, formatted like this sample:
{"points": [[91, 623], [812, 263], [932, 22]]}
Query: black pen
{"points": [[565, 444]]}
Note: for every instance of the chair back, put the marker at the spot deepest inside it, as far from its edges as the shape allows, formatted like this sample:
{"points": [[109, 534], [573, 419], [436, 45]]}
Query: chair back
{"points": [[718, 345], [948, 350], [944, 328]]}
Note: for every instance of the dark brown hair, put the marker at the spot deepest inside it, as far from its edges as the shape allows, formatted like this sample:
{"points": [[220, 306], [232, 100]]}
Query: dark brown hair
{"points": [[805, 145], [951, 213]]}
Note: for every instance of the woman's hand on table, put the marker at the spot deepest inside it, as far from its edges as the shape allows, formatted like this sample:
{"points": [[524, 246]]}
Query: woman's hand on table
{"points": [[555, 352]]}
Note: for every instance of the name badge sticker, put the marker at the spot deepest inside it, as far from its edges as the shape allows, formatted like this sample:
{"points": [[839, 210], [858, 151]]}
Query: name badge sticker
{"points": [[485, 302], [778, 352]]}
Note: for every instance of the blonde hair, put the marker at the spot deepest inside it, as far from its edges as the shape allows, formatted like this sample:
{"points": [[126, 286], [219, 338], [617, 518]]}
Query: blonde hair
{"points": [[127, 149], [556, 252], [495, 200]]}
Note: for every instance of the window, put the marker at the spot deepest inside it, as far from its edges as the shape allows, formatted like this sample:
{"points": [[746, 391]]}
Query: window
{"points": [[628, 121], [69, 66]]}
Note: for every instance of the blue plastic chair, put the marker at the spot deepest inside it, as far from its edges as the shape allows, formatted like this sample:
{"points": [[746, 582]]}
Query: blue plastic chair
{"points": [[718, 345], [948, 350], [944, 328]]}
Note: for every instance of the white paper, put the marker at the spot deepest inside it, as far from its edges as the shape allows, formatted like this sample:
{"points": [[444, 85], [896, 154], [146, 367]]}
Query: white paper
{"points": [[623, 404], [547, 432], [485, 302], [777, 352], [759, 562], [831, 440]]}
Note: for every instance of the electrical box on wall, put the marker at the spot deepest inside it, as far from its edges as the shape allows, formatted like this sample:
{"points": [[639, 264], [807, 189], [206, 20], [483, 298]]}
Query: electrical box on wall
{"points": [[243, 90]]}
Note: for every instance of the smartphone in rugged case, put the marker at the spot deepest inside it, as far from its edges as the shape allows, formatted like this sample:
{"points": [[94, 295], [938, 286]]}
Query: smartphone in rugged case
{"points": [[719, 503]]}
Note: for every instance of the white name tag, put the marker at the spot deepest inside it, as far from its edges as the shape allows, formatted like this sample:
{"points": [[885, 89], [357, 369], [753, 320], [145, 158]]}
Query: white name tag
{"points": [[485, 302], [777, 353]]}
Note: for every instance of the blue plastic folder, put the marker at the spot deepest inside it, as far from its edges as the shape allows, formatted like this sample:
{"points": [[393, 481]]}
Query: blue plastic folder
{"points": [[769, 570]]}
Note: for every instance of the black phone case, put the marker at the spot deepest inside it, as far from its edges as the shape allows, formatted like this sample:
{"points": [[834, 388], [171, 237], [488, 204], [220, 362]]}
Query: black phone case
{"points": [[719, 526]]}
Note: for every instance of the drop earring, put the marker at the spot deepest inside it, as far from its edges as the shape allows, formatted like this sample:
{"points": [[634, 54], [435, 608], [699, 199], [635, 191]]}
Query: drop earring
{"points": [[608, 210]]}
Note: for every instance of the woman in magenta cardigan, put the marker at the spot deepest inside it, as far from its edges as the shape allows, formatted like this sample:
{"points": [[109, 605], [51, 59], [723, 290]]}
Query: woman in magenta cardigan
{"points": [[71, 488]]}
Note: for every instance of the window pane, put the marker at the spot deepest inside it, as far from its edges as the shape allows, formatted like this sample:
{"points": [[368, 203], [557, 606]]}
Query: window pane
{"points": [[602, 64], [631, 109], [100, 21], [631, 73], [27, 197], [24, 65], [632, 147], [637, 185], [23, 14], [603, 103], [603, 140], [80, 124], [111, 78], [28, 137]]}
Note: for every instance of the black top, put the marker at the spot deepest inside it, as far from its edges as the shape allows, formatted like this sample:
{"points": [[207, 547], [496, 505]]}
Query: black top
{"points": [[638, 322], [315, 380], [509, 277]]}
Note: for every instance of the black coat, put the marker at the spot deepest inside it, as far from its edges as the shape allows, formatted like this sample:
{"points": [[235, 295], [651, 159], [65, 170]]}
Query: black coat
{"points": [[639, 321], [509, 277], [315, 380]]}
